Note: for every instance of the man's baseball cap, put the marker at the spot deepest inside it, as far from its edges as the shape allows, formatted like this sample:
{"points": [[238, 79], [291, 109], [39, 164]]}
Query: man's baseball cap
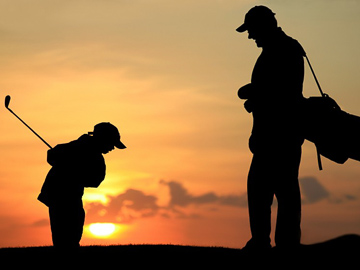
{"points": [[109, 132], [256, 17]]}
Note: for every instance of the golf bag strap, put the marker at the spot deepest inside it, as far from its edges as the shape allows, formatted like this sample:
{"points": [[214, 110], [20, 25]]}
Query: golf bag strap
{"points": [[316, 80], [318, 158], [323, 95]]}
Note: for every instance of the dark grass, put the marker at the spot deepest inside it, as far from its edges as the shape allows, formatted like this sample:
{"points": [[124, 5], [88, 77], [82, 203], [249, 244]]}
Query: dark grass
{"points": [[343, 252]]}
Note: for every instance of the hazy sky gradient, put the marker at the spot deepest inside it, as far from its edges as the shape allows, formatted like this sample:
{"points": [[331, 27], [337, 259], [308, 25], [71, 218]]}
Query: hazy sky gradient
{"points": [[166, 73]]}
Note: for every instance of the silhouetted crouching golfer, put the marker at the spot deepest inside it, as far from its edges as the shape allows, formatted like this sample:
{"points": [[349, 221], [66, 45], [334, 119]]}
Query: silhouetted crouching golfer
{"points": [[75, 165], [273, 97]]}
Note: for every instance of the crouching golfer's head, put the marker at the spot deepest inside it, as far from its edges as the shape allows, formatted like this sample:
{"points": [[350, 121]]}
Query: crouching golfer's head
{"points": [[106, 137]]}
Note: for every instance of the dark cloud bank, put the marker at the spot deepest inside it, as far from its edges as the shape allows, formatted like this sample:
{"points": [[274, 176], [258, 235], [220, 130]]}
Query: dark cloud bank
{"points": [[134, 204]]}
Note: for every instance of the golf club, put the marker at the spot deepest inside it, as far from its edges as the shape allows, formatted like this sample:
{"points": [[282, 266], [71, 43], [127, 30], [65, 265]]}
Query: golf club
{"points": [[7, 102]]}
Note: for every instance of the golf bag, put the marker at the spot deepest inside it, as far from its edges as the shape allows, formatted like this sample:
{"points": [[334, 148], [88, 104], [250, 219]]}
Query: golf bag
{"points": [[334, 132]]}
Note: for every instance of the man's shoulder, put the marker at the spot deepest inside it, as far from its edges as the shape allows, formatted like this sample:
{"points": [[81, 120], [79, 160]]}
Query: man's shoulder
{"points": [[291, 45]]}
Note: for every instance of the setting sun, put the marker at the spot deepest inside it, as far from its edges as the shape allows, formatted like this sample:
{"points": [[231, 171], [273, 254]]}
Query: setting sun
{"points": [[102, 229]]}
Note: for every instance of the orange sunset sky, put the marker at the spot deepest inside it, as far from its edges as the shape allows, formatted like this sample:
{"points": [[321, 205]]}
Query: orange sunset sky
{"points": [[166, 73]]}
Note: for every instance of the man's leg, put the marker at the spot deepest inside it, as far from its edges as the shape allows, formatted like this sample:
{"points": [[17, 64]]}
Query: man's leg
{"points": [[287, 191], [67, 224], [260, 197]]}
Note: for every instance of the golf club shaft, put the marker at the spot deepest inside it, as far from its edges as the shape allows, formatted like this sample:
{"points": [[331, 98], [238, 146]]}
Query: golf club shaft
{"points": [[30, 128]]}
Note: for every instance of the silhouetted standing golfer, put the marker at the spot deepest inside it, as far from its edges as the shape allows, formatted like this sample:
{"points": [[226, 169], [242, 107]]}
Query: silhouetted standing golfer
{"points": [[274, 96], [75, 165]]}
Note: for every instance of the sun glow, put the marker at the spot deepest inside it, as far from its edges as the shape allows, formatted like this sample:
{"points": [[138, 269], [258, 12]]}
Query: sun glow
{"points": [[102, 229]]}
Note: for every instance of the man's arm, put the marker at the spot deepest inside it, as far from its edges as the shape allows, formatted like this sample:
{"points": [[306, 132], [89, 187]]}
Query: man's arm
{"points": [[55, 155]]}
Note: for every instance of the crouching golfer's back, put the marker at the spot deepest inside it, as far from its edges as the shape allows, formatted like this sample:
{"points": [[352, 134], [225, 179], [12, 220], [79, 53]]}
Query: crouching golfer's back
{"points": [[75, 165]]}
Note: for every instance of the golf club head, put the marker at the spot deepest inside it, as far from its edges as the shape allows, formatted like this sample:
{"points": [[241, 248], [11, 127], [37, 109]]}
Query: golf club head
{"points": [[7, 101]]}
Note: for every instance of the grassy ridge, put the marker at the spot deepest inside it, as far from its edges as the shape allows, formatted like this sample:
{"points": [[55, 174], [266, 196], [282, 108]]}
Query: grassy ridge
{"points": [[341, 251], [129, 256]]}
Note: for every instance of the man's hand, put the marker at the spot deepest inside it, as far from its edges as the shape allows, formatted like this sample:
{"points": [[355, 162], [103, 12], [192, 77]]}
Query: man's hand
{"points": [[246, 91], [248, 105]]}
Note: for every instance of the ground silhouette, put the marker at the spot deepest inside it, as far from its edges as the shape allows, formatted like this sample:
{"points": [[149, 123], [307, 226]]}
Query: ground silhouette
{"points": [[341, 251]]}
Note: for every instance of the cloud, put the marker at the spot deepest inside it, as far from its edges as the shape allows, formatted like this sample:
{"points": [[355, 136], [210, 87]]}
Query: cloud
{"points": [[313, 191], [134, 204], [233, 200], [124, 207], [41, 223], [181, 197]]}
